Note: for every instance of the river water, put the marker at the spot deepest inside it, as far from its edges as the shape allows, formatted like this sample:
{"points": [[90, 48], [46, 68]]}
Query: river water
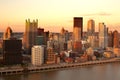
{"points": [[109, 71]]}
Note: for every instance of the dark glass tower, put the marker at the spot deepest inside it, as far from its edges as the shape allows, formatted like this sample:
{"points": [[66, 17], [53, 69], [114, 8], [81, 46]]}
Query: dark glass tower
{"points": [[78, 28], [12, 51]]}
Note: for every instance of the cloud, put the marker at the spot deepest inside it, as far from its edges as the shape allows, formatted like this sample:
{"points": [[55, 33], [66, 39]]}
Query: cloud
{"points": [[98, 14], [104, 14]]}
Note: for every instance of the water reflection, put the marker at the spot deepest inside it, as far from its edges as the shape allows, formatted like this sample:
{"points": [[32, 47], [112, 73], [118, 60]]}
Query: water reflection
{"points": [[92, 72]]}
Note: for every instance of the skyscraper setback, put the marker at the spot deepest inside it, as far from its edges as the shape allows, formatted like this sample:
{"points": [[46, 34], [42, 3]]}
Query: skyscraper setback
{"points": [[77, 28], [30, 33]]}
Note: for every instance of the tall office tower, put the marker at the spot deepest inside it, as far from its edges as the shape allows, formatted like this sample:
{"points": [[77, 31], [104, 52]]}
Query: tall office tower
{"points": [[77, 34], [12, 51], [103, 35], [50, 56], [8, 33], [63, 31], [62, 38], [40, 37], [65, 34], [115, 39], [90, 27], [46, 37], [110, 39], [40, 32], [30, 33], [77, 28], [37, 57]]}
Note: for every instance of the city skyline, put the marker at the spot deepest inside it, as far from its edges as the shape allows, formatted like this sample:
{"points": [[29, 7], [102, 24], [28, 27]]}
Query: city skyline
{"points": [[58, 13]]}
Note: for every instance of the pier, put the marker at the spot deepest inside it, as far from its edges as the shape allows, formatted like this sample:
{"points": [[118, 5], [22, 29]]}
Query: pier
{"points": [[32, 69]]}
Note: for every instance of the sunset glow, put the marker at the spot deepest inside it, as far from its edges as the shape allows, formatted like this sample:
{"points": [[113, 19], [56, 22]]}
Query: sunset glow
{"points": [[55, 14]]}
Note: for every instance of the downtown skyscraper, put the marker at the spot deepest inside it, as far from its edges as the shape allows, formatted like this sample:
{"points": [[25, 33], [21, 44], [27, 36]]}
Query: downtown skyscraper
{"points": [[30, 34], [12, 49], [115, 39], [90, 27], [8, 33], [91, 37], [77, 28], [77, 34], [103, 35]]}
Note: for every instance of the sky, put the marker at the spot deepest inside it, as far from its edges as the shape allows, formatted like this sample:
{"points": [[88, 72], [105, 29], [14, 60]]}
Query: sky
{"points": [[52, 15]]}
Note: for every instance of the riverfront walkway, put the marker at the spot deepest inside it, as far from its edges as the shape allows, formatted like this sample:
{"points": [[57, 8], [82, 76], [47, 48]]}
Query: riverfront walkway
{"points": [[32, 69], [68, 65]]}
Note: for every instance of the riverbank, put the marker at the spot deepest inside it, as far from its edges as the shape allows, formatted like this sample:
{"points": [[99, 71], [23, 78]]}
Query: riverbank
{"points": [[33, 69]]}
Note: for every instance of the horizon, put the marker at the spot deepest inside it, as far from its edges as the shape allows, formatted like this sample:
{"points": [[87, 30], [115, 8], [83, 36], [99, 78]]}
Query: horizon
{"points": [[58, 13]]}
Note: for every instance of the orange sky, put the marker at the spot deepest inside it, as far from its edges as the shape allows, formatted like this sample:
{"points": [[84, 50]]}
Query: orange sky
{"points": [[55, 14]]}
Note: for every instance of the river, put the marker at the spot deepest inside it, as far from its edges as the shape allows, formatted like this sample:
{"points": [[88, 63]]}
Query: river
{"points": [[109, 71]]}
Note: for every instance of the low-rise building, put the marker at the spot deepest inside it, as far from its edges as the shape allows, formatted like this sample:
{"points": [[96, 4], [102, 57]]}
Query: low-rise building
{"points": [[117, 52], [50, 57]]}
